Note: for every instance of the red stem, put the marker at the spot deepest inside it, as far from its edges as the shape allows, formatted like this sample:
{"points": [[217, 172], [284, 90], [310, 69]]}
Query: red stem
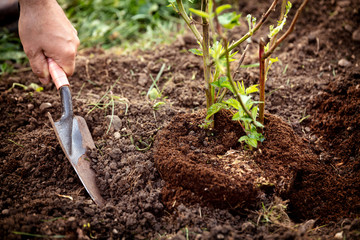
{"points": [[262, 82]]}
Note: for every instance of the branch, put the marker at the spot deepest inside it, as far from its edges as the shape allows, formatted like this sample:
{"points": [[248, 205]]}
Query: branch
{"points": [[291, 28], [188, 21], [251, 32]]}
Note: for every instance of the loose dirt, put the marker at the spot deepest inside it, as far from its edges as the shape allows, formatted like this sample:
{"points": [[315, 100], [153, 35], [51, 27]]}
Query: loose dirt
{"points": [[314, 93]]}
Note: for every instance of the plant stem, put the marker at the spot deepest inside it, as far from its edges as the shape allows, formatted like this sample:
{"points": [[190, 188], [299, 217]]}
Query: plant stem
{"points": [[235, 74], [291, 28], [206, 57], [262, 82], [252, 31], [232, 83], [188, 20]]}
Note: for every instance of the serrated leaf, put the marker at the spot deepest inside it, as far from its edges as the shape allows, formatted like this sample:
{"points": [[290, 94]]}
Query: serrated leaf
{"points": [[252, 89], [216, 107], [233, 103], [196, 51], [199, 13], [222, 82], [236, 116]]}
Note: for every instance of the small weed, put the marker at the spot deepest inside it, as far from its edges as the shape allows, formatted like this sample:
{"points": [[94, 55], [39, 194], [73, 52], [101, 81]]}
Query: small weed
{"points": [[275, 213], [18, 144], [109, 99], [38, 235]]}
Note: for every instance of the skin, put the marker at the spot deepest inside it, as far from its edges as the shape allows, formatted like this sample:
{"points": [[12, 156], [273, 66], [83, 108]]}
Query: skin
{"points": [[45, 32]]}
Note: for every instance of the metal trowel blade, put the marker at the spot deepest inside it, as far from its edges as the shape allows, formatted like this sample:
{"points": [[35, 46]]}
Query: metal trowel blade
{"points": [[80, 141]]}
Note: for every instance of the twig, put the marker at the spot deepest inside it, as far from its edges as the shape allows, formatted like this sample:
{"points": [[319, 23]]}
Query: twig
{"points": [[251, 32], [291, 28]]}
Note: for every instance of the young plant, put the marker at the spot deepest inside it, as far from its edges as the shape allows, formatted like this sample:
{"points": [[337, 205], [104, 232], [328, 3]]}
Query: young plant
{"points": [[217, 54]]}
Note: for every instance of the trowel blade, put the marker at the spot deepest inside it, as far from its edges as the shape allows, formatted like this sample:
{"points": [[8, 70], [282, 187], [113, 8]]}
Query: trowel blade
{"points": [[81, 140]]}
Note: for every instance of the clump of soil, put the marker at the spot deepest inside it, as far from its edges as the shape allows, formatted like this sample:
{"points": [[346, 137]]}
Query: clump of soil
{"points": [[209, 167]]}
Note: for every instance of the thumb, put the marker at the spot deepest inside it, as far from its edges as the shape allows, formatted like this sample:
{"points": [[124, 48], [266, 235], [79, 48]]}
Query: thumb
{"points": [[40, 67]]}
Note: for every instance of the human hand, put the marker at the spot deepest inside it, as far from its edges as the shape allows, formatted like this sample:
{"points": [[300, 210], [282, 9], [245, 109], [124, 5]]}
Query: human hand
{"points": [[45, 32]]}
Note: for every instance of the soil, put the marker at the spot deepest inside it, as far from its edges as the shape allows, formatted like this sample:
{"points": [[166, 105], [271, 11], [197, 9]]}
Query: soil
{"points": [[315, 94]]}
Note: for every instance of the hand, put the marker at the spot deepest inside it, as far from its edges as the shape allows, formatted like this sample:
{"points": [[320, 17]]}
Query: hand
{"points": [[45, 32]]}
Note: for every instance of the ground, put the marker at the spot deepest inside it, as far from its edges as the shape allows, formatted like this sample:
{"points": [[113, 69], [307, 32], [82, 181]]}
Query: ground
{"points": [[315, 89]]}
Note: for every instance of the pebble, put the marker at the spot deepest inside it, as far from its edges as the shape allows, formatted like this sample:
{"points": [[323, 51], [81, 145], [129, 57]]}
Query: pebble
{"points": [[115, 153], [5, 212], [348, 27], [115, 231], [116, 122], [339, 235], [117, 135], [44, 106], [30, 106], [71, 219], [307, 129], [143, 79], [356, 35], [344, 63]]}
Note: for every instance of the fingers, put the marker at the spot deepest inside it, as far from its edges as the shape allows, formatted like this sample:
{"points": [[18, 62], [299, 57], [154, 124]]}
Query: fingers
{"points": [[39, 65], [66, 58]]}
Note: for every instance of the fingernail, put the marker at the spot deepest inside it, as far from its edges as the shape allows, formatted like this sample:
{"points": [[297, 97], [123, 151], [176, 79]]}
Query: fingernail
{"points": [[44, 80]]}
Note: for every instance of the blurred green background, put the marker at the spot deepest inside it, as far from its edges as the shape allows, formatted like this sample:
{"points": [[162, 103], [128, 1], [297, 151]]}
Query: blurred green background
{"points": [[127, 24]]}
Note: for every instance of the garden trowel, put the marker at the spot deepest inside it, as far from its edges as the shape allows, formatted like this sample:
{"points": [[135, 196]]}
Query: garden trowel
{"points": [[73, 134]]}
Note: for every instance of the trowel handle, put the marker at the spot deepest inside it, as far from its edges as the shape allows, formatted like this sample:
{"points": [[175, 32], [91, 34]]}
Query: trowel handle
{"points": [[57, 74]]}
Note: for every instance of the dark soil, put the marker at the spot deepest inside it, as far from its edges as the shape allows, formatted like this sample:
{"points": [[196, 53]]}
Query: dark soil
{"points": [[210, 167], [310, 89]]}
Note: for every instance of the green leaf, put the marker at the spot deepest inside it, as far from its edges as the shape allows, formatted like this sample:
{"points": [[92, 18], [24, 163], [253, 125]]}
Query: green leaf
{"points": [[154, 94], [245, 98], [233, 103], [157, 105], [36, 87], [236, 116], [216, 107], [222, 82], [222, 8], [196, 51], [252, 142], [199, 13], [229, 20], [254, 111], [252, 89]]}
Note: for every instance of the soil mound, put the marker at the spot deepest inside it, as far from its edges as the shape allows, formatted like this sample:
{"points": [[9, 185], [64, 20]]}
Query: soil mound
{"points": [[209, 168]]}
